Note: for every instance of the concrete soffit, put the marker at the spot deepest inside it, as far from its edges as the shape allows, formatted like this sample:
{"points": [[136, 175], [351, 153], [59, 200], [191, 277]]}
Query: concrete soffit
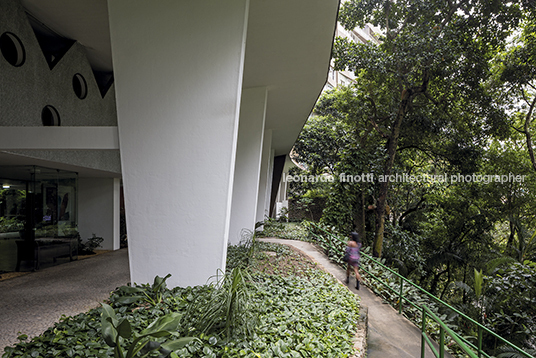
{"points": [[288, 51]]}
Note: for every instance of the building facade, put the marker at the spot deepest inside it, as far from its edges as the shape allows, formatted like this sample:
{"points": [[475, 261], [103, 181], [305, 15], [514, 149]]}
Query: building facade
{"points": [[185, 106]]}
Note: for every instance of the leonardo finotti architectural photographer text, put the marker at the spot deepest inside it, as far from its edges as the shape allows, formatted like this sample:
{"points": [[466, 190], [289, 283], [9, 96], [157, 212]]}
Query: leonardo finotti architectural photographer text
{"points": [[407, 178]]}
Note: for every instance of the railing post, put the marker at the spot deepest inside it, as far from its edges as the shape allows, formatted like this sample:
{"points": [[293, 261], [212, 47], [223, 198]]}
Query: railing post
{"points": [[400, 296], [423, 332], [330, 244], [480, 341], [441, 343]]}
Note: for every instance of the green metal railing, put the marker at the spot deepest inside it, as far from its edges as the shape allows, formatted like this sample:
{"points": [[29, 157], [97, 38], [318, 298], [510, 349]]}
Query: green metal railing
{"points": [[332, 240], [442, 330]]}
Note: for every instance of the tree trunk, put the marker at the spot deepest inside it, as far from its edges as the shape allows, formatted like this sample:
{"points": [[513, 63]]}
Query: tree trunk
{"points": [[510, 242], [464, 299], [378, 239], [435, 282], [360, 218], [446, 284], [528, 136], [392, 145]]}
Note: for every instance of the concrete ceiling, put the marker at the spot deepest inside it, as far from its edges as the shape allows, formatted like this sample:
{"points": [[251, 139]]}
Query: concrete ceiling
{"points": [[287, 50]]}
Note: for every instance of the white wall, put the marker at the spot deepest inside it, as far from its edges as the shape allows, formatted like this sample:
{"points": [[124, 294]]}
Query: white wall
{"points": [[248, 162], [178, 68], [98, 210]]}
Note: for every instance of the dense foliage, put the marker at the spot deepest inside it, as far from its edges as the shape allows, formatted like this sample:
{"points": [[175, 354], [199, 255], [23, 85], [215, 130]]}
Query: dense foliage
{"points": [[254, 310], [438, 232], [423, 85], [291, 231], [441, 116]]}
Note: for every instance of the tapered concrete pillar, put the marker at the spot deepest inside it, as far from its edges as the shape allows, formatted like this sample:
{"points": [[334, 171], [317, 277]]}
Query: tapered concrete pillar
{"points": [[248, 163], [269, 184], [265, 182], [178, 126], [98, 210]]}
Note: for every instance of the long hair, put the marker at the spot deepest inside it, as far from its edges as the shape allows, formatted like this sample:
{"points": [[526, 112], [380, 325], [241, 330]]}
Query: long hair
{"points": [[354, 236]]}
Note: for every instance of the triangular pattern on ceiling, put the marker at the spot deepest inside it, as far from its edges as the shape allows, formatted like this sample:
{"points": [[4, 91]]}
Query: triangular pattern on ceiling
{"points": [[104, 80], [54, 48]]}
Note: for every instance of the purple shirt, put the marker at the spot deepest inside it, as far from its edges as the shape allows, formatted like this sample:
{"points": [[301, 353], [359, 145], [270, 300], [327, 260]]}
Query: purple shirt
{"points": [[353, 253]]}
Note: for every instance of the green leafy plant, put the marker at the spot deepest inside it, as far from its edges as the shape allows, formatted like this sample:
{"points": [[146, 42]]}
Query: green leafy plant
{"points": [[298, 316], [152, 294], [242, 254], [511, 296], [90, 245], [289, 230], [283, 215], [291, 314], [508, 352], [115, 331], [10, 225]]}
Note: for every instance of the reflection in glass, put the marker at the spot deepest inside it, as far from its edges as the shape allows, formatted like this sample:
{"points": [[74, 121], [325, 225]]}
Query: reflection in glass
{"points": [[38, 218]]}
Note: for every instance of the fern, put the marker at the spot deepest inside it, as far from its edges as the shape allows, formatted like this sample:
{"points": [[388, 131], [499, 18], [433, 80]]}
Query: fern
{"points": [[509, 352], [495, 263]]}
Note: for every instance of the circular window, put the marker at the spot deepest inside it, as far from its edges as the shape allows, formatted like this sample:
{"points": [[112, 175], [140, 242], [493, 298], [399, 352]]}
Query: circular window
{"points": [[80, 86], [12, 49], [50, 116]]}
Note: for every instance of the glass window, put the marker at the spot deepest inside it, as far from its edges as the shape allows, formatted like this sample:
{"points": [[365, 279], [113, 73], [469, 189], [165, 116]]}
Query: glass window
{"points": [[38, 217]]}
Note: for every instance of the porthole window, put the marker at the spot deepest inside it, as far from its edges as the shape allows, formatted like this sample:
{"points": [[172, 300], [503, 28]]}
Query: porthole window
{"points": [[12, 49], [79, 86], [50, 116]]}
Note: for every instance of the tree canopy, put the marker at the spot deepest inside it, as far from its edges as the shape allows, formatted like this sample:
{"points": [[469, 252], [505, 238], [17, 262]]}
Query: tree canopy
{"points": [[448, 96], [424, 84]]}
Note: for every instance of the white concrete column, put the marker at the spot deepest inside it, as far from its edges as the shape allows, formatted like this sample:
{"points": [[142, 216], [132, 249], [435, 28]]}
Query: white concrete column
{"points": [[248, 162], [265, 176], [282, 193], [269, 183], [98, 210], [282, 201], [178, 125]]}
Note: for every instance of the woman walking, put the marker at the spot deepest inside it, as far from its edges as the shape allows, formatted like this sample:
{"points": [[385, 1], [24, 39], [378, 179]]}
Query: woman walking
{"points": [[353, 249]]}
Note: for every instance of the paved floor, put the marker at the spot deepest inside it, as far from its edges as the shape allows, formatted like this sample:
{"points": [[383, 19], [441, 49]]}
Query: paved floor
{"points": [[31, 303], [390, 334]]}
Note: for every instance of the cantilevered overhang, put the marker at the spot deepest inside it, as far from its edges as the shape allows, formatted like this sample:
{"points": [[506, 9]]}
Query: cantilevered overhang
{"points": [[287, 50]]}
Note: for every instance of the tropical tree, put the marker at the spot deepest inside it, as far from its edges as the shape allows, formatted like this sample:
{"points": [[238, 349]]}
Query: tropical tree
{"points": [[428, 69], [516, 75], [338, 140]]}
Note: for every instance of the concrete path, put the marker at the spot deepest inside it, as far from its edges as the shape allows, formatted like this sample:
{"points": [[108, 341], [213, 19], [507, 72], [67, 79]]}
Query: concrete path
{"points": [[31, 303], [390, 335]]}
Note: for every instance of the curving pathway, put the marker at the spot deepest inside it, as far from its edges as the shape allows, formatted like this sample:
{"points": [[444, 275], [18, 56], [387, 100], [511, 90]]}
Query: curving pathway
{"points": [[390, 335]]}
